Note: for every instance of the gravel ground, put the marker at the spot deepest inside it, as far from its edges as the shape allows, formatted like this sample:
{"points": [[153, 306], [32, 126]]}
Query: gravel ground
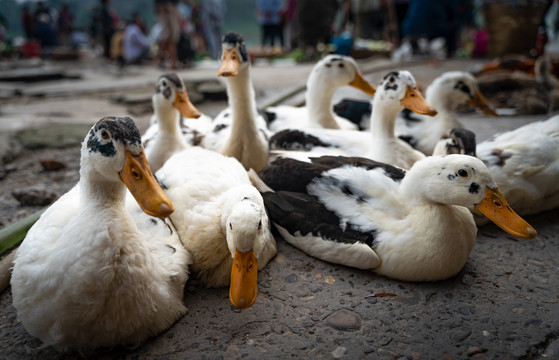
{"points": [[504, 304]]}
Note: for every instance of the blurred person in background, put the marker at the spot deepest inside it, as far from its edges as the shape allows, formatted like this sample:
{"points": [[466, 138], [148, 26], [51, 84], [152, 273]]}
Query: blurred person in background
{"points": [[168, 16], [212, 15], [269, 14], [136, 45], [64, 24]]}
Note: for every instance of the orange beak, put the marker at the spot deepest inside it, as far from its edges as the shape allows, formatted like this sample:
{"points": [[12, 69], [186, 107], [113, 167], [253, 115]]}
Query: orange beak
{"points": [[242, 291], [416, 103], [136, 175], [495, 207], [481, 103], [360, 83], [229, 64], [184, 106]]}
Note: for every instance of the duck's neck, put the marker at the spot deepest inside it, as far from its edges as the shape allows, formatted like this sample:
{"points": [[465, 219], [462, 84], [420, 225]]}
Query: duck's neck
{"points": [[445, 109], [101, 195], [243, 105], [383, 119], [319, 105], [167, 119]]}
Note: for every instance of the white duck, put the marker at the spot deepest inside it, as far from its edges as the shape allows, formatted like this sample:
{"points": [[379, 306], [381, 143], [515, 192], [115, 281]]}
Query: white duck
{"points": [[221, 220], [238, 131], [88, 275], [525, 164], [397, 91], [165, 136], [445, 93], [329, 74], [412, 226]]}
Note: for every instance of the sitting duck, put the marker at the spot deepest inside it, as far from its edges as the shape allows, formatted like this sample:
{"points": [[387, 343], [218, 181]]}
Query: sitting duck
{"points": [[88, 274], [411, 225], [221, 220]]}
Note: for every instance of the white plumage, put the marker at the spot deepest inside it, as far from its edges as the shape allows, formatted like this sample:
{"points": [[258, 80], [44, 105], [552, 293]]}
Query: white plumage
{"points": [[218, 214], [89, 274], [413, 226], [329, 74]]}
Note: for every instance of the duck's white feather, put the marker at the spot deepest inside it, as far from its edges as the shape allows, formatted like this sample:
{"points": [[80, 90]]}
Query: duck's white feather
{"points": [[525, 165], [90, 275], [208, 190], [327, 76]]}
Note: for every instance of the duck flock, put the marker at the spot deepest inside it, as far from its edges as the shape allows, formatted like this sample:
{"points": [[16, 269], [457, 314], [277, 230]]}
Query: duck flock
{"points": [[106, 265]]}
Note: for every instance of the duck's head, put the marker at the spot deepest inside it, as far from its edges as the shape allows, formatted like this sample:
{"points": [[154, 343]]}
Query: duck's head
{"points": [[398, 90], [458, 87], [170, 93], [234, 55], [247, 229], [465, 181], [113, 149], [335, 71]]}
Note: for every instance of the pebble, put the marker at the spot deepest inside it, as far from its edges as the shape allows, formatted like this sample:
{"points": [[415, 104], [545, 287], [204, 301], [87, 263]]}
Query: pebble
{"points": [[292, 278], [345, 320], [35, 196], [52, 164], [329, 280], [387, 353], [472, 350], [339, 352]]}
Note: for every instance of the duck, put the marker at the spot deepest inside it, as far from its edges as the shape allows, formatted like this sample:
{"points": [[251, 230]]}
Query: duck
{"points": [[221, 221], [525, 164], [238, 131], [413, 225], [445, 93], [88, 275], [167, 134], [329, 74], [397, 90]]}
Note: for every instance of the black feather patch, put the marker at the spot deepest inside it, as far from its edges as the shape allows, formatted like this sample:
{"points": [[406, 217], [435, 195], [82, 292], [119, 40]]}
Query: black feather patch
{"points": [[474, 188], [303, 213], [464, 88], [294, 175], [295, 140]]}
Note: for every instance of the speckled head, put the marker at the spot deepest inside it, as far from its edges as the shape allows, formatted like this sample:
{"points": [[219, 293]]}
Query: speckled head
{"points": [[111, 129], [398, 89], [233, 40]]}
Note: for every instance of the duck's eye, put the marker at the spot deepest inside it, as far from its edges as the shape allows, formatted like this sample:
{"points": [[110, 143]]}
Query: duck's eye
{"points": [[260, 225], [105, 135], [463, 173], [340, 65], [164, 83], [231, 226], [328, 65]]}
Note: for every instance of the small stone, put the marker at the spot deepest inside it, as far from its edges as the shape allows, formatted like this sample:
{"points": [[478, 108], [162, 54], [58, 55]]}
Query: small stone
{"points": [[319, 276], [345, 320], [339, 352], [472, 350], [329, 280], [460, 336], [35, 196], [485, 333], [52, 164], [387, 353], [280, 259], [292, 278]]}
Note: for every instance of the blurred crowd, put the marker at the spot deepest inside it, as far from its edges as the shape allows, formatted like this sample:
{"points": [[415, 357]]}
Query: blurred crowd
{"points": [[309, 28]]}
